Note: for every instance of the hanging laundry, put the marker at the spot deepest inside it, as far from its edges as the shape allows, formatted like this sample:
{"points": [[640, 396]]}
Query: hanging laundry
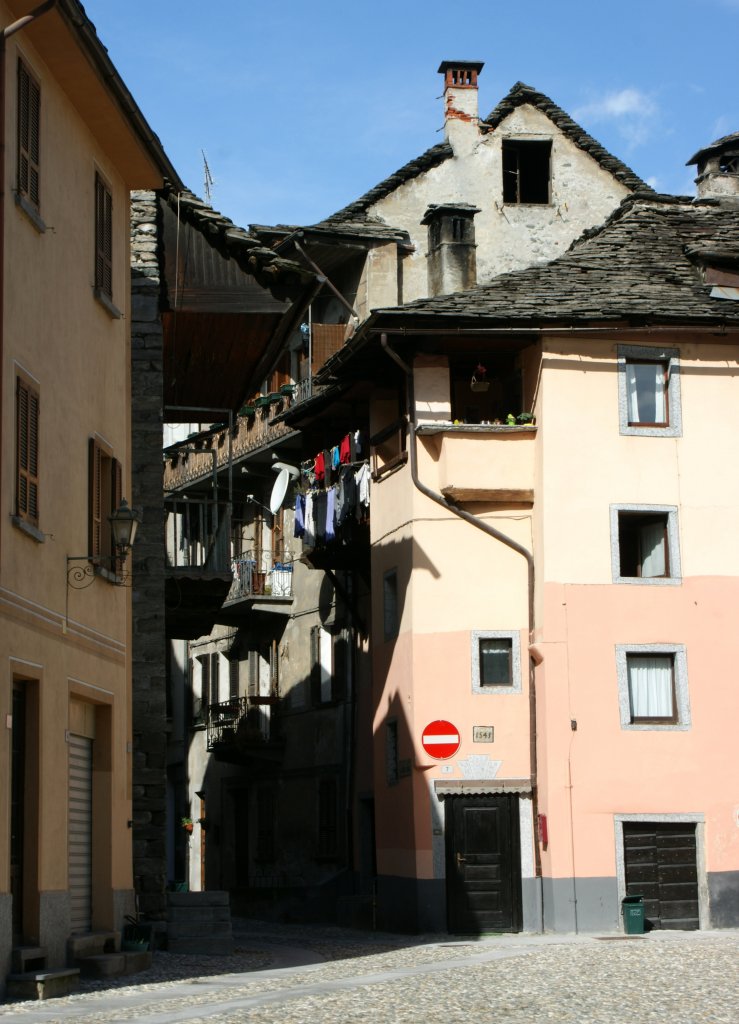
{"points": [[330, 504], [357, 444], [319, 467], [363, 489], [348, 492], [299, 530], [309, 536], [345, 454], [335, 457], [320, 501]]}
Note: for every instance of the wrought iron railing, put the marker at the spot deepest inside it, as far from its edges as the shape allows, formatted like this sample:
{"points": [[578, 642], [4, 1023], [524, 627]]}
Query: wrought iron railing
{"points": [[259, 576], [244, 719]]}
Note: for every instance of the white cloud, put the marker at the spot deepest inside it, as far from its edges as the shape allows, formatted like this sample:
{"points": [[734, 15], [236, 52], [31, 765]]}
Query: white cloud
{"points": [[653, 182], [632, 110]]}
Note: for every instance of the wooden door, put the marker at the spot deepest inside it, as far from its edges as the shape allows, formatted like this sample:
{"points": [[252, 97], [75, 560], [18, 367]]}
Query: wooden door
{"points": [[17, 816], [483, 864], [660, 865]]}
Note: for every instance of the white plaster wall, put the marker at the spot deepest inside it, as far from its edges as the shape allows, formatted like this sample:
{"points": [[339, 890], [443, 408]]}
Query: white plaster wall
{"points": [[508, 237]]}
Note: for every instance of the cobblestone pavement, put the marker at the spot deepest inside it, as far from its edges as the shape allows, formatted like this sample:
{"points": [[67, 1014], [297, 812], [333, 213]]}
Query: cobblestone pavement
{"points": [[317, 975]]}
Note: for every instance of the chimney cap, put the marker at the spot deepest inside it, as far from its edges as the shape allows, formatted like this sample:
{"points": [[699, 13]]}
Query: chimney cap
{"points": [[730, 141], [447, 209], [471, 65]]}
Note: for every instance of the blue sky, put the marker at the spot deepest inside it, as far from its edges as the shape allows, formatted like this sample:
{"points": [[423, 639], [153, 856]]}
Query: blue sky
{"points": [[301, 107]]}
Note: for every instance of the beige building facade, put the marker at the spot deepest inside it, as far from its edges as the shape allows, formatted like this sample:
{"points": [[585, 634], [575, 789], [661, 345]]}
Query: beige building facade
{"points": [[75, 144]]}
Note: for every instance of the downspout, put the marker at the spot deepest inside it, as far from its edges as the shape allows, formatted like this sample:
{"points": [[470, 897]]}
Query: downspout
{"points": [[6, 33], [480, 524]]}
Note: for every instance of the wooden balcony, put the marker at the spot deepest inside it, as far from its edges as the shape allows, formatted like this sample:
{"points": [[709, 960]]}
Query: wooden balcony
{"points": [[483, 463]]}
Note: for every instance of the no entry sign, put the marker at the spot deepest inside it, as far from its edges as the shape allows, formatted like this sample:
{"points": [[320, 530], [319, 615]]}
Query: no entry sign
{"points": [[440, 739]]}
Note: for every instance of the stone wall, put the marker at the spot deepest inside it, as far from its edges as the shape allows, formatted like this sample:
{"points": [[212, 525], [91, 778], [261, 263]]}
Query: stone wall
{"points": [[149, 645]]}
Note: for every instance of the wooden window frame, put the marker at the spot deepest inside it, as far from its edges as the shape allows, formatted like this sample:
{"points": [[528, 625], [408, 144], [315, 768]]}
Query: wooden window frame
{"points": [[484, 684], [672, 719], [636, 521], [103, 239], [28, 137], [664, 364], [27, 452], [105, 493], [515, 153]]}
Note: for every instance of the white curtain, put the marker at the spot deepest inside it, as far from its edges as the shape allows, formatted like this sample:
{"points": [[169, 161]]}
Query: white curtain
{"points": [[646, 392], [650, 686], [652, 545]]}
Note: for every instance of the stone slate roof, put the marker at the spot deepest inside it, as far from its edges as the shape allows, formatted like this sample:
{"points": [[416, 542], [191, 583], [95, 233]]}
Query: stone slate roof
{"points": [[263, 263], [522, 94], [369, 228], [643, 266]]}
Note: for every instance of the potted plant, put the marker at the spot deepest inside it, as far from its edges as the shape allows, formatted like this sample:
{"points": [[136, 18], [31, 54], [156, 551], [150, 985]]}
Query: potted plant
{"points": [[246, 410], [262, 401], [287, 389], [187, 824], [479, 381], [526, 419]]}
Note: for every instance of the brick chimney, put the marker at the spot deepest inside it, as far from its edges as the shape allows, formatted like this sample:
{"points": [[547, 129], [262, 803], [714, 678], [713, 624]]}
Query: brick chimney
{"points": [[718, 169], [460, 103]]}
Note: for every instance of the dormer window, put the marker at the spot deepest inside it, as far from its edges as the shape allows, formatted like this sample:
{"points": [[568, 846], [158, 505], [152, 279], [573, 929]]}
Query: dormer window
{"points": [[526, 172]]}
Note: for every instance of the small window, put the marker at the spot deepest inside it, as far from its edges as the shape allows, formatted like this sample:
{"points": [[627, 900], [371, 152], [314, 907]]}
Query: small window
{"points": [[653, 686], [103, 238], [105, 497], [496, 661], [26, 453], [390, 604], [642, 545], [649, 391], [29, 130], [526, 172], [646, 393]]}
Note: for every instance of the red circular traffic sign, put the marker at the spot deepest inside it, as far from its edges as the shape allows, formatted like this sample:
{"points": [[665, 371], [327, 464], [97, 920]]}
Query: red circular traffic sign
{"points": [[441, 739]]}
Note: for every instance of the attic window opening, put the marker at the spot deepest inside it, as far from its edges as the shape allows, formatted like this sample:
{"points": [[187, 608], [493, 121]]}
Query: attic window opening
{"points": [[729, 163], [526, 172]]}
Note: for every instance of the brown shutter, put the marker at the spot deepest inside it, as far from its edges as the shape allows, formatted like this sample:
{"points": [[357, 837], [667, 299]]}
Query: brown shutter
{"points": [[27, 413], [103, 237], [29, 131], [96, 498], [315, 664]]}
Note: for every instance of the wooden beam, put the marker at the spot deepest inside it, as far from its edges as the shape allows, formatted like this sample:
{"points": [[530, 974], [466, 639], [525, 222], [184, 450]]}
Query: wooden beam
{"points": [[490, 495]]}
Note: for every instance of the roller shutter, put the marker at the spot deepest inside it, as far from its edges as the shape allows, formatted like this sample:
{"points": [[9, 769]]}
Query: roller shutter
{"points": [[80, 832]]}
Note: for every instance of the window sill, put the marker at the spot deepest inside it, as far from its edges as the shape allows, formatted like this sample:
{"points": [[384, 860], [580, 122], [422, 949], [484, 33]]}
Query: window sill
{"points": [[30, 212], [656, 726], [107, 304], [29, 529], [649, 581]]}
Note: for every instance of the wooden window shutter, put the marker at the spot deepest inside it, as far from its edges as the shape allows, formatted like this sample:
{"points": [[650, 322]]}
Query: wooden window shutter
{"points": [[315, 664], [27, 480], [341, 667], [233, 679], [103, 237], [96, 499], [29, 132], [215, 679]]}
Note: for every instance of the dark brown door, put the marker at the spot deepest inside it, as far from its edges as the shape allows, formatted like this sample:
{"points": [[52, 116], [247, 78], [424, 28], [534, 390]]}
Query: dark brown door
{"points": [[660, 863], [17, 784], [483, 864]]}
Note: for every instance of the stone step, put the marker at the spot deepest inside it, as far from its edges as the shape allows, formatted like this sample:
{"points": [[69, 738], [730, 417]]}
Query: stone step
{"points": [[204, 944], [209, 898], [42, 984], [28, 958], [103, 965], [86, 944]]}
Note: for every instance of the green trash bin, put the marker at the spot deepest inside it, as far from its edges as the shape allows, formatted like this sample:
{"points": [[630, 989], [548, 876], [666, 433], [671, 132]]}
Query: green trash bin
{"points": [[632, 907]]}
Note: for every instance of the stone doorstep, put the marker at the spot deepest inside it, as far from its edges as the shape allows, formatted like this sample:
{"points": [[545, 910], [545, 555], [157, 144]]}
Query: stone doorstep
{"points": [[197, 929], [42, 984], [136, 962], [85, 944], [28, 958], [102, 965]]}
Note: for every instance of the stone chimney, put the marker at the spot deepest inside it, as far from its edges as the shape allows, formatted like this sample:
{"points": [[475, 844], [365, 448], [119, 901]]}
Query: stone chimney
{"points": [[452, 265], [460, 103], [718, 169]]}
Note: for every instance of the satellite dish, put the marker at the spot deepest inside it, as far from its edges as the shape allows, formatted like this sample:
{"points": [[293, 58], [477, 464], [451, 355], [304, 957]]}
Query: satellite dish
{"points": [[279, 491]]}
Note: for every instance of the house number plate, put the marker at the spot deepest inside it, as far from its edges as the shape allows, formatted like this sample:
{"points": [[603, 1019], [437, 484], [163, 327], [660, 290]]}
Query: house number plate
{"points": [[482, 733]]}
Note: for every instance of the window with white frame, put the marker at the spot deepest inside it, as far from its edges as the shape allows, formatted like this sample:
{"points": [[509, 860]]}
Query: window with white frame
{"points": [[496, 661], [645, 544], [649, 391], [653, 686]]}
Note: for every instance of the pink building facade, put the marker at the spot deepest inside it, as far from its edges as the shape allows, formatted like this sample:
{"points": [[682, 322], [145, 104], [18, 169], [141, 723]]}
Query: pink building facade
{"points": [[559, 590]]}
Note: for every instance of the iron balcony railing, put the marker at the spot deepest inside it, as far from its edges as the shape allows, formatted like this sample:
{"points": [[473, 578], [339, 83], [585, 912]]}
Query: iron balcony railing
{"points": [[246, 719], [257, 575]]}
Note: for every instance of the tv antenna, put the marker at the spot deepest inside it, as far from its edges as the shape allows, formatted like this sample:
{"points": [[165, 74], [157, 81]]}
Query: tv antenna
{"points": [[208, 182]]}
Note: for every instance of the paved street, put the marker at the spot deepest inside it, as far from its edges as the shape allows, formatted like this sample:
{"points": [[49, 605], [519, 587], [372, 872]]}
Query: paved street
{"points": [[329, 976]]}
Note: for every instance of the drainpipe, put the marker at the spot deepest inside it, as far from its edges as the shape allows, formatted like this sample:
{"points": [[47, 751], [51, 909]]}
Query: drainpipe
{"points": [[6, 33], [480, 524]]}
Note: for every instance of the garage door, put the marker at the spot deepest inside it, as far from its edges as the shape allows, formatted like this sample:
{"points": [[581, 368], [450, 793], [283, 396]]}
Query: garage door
{"points": [[660, 865], [80, 832]]}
